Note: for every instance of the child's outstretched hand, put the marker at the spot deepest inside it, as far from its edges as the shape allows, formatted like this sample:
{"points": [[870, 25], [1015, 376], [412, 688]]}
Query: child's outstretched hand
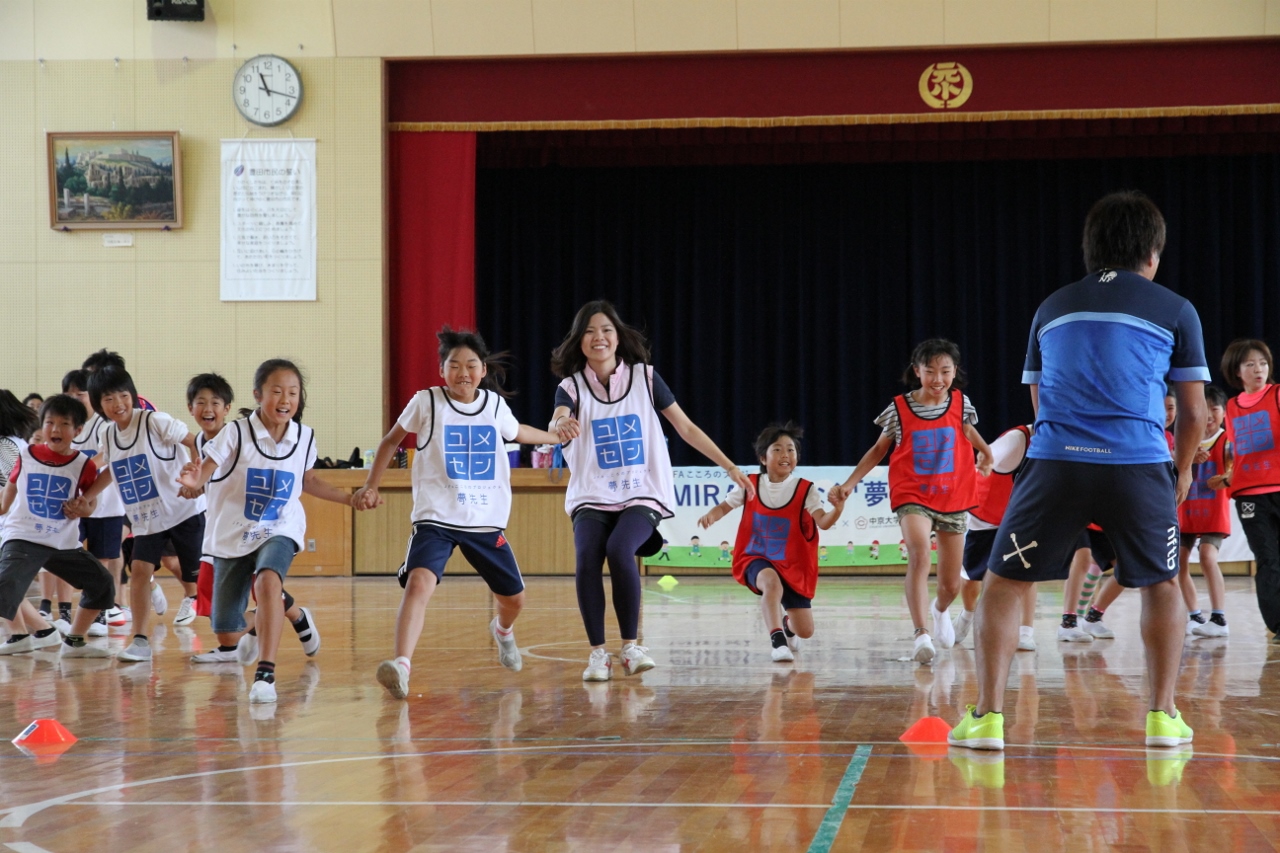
{"points": [[985, 463], [742, 481], [367, 497], [189, 479], [78, 507], [568, 428], [836, 497]]}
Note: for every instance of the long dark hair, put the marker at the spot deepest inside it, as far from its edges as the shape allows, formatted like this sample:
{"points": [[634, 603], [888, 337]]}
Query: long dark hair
{"points": [[16, 418], [496, 364], [263, 373], [568, 358], [927, 351]]}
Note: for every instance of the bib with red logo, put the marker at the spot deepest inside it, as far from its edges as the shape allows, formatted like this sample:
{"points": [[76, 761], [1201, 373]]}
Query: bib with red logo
{"points": [[932, 464], [786, 536]]}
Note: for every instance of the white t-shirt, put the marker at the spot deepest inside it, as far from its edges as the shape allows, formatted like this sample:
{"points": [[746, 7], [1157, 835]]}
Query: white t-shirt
{"points": [[461, 474], [776, 495], [146, 468], [1008, 451]]}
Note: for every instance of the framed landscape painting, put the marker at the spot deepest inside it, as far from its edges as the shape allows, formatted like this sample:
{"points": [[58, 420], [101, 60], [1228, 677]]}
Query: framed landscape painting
{"points": [[115, 180]]}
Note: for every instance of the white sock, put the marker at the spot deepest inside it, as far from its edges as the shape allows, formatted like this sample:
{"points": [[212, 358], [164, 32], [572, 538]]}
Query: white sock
{"points": [[1025, 631], [504, 631], [404, 662]]}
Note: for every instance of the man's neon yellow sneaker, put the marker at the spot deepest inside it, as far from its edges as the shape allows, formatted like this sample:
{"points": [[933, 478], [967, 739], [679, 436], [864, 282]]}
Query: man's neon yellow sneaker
{"points": [[1163, 730], [1165, 766], [973, 732]]}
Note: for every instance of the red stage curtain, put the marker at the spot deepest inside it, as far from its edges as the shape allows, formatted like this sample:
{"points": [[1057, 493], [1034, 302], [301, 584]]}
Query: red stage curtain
{"points": [[432, 247]]}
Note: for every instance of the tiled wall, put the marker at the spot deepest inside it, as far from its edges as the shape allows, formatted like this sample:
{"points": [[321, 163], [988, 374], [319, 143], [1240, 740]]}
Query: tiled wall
{"points": [[158, 301]]}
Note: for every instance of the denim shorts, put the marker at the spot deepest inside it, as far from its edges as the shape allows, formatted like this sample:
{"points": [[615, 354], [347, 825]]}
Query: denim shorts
{"points": [[233, 580]]}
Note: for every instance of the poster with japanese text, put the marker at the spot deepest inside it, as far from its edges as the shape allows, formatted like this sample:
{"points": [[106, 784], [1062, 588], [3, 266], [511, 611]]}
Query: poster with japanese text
{"points": [[268, 219]]}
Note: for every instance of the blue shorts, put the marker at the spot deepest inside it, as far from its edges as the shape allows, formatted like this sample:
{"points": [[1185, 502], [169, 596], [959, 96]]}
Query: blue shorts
{"points": [[791, 600], [488, 552], [233, 580], [977, 551], [102, 536], [1054, 500]]}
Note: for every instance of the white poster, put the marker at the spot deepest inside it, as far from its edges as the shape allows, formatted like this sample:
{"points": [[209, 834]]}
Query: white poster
{"points": [[268, 219]]}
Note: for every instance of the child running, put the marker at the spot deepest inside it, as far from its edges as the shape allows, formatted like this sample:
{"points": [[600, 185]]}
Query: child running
{"points": [[1206, 515], [39, 532], [776, 554], [144, 452], [263, 463], [932, 480], [1253, 477], [622, 486], [461, 495], [209, 398]]}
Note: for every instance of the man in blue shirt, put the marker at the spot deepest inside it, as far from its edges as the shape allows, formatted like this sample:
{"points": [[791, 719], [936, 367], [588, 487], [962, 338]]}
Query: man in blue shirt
{"points": [[1098, 356]]}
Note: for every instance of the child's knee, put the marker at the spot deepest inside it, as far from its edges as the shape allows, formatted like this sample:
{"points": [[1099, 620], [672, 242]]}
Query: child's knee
{"points": [[421, 581]]}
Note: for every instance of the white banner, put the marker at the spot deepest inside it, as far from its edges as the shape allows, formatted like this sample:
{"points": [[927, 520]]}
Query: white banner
{"points": [[867, 533], [268, 219]]}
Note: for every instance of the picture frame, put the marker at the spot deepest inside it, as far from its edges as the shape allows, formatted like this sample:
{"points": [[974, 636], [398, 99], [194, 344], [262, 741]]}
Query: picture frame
{"points": [[115, 180]]}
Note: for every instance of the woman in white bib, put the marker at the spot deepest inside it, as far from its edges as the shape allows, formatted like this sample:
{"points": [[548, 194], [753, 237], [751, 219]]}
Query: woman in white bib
{"points": [[606, 417], [461, 495]]}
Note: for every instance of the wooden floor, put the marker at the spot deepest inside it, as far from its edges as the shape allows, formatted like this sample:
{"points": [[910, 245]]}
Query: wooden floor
{"points": [[717, 748]]}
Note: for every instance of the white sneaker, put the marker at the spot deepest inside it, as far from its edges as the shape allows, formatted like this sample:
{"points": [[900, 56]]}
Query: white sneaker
{"points": [[794, 641], [45, 642], [1026, 643], [85, 651], [17, 647], [962, 624], [924, 650], [635, 659], [508, 651], [1208, 629], [1191, 626], [262, 693], [117, 616], [158, 601], [98, 627], [943, 631], [1098, 630], [45, 615], [186, 612], [63, 626], [1073, 635], [782, 654], [310, 635], [247, 649], [216, 656], [136, 651], [599, 666], [394, 677]]}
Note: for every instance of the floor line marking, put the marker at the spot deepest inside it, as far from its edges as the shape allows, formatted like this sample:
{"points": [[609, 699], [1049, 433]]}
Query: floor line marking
{"points": [[25, 847], [826, 834]]}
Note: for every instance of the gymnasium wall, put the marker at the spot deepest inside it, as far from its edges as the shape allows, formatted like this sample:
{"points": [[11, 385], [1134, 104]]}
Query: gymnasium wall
{"points": [[100, 65]]}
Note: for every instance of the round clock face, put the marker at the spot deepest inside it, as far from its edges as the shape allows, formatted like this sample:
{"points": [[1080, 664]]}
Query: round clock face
{"points": [[267, 90]]}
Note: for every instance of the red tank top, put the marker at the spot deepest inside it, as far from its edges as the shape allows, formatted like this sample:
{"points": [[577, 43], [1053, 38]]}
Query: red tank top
{"points": [[1252, 433], [932, 464], [785, 536], [992, 493], [1207, 510]]}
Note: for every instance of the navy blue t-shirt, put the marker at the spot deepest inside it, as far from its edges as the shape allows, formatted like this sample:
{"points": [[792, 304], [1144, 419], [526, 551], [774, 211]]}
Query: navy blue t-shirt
{"points": [[1100, 350]]}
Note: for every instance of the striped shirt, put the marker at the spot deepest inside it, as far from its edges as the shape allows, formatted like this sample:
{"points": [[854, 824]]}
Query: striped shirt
{"points": [[888, 419]]}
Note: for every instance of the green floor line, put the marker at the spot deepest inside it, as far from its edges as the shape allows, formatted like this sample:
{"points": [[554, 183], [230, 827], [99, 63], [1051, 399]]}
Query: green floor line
{"points": [[826, 834]]}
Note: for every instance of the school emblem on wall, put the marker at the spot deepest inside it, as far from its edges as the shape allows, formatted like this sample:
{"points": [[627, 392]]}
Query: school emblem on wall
{"points": [[946, 85]]}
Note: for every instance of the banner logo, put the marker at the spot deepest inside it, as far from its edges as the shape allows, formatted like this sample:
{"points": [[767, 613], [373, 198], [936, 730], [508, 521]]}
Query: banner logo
{"points": [[946, 85]]}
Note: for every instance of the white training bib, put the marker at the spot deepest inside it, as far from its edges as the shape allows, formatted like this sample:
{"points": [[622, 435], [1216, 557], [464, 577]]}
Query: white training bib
{"points": [[147, 477], [461, 473], [254, 496], [37, 514], [89, 442], [621, 454]]}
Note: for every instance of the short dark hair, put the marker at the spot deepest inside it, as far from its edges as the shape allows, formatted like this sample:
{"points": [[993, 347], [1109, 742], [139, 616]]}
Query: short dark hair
{"points": [[64, 406], [1237, 352], [1122, 231], [32, 396], [78, 379], [109, 380], [772, 433], [103, 358], [1215, 396], [567, 358], [220, 387], [927, 351]]}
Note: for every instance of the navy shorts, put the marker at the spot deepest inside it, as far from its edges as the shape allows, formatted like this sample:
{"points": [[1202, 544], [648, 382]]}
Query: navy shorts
{"points": [[977, 552], [488, 552], [187, 538], [1054, 500], [102, 536], [1103, 554], [791, 600]]}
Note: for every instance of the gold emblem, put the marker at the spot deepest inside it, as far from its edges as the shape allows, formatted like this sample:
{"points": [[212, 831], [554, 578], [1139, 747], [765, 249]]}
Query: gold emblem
{"points": [[946, 85]]}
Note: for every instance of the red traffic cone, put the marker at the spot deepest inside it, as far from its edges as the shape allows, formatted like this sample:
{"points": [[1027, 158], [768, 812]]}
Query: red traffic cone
{"points": [[927, 730], [45, 740]]}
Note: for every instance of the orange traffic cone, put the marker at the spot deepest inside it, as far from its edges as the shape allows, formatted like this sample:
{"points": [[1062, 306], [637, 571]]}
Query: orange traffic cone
{"points": [[927, 737], [45, 740]]}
